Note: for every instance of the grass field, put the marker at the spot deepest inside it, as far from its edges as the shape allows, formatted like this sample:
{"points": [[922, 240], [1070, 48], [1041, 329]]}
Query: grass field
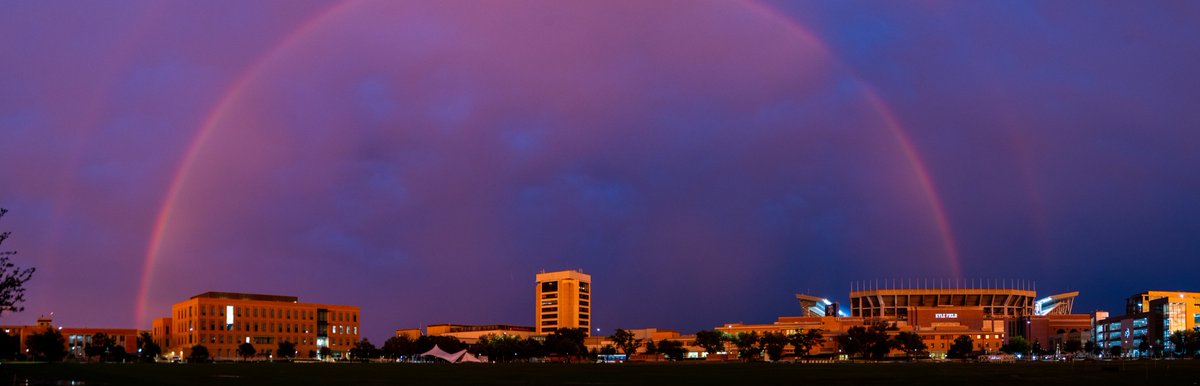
{"points": [[1180, 372]]}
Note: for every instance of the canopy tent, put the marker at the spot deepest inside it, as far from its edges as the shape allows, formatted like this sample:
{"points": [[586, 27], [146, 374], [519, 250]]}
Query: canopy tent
{"points": [[458, 357], [439, 353], [467, 357]]}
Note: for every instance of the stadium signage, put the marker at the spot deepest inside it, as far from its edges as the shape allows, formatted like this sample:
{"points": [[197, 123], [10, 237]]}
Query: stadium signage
{"points": [[950, 315]]}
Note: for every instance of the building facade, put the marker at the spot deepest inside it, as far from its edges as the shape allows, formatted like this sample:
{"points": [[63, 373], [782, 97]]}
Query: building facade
{"points": [[221, 321], [470, 334], [1149, 320], [563, 300], [939, 315], [76, 338]]}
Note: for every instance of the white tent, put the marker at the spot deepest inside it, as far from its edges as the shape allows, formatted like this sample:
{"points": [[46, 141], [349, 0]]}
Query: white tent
{"points": [[467, 357], [439, 353]]}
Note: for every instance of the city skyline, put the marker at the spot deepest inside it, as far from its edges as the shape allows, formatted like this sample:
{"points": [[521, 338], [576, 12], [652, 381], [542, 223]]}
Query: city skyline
{"points": [[704, 161]]}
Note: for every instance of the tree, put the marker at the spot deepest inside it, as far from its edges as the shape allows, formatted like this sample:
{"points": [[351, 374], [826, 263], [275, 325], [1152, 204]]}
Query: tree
{"points": [[1187, 342], [1090, 347], [12, 278], [199, 354], [567, 342], [747, 344], [772, 343], [911, 343], [804, 342], [117, 354], [286, 350], [9, 345], [608, 350], [870, 341], [713, 341], [100, 345], [672, 349], [625, 341], [1037, 348], [399, 347], [1115, 351], [1016, 345], [498, 348], [246, 350], [324, 353], [364, 350], [651, 347], [531, 348], [962, 348], [1072, 346], [147, 349], [48, 345]]}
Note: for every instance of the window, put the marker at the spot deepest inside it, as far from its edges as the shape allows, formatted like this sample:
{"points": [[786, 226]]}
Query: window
{"points": [[583, 309], [583, 322], [585, 287], [584, 303], [583, 296], [583, 316], [549, 316], [549, 302], [550, 296], [549, 309], [550, 286], [546, 323]]}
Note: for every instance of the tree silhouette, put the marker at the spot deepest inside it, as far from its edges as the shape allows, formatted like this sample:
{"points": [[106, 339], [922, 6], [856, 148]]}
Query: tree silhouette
{"points": [[48, 345], [199, 354], [286, 350], [147, 349], [911, 343], [747, 344], [962, 347], [713, 341], [625, 341], [246, 350], [672, 349], [804, 342], [12, 278], [773, 343]]}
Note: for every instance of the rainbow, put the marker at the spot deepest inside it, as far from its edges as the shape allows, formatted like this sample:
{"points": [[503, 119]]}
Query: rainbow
{"points": [[305, 29], [164, 212]]}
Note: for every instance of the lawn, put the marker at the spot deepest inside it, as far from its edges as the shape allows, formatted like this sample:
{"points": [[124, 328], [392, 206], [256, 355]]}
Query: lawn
{"points": [[1180, 372]]}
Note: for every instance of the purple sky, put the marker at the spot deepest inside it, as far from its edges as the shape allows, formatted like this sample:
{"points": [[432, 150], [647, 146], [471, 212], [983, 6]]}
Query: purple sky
{"points": [[704, 161]]}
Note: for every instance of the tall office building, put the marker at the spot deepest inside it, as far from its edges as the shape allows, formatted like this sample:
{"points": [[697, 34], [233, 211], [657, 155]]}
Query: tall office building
{"points": [[564, 300]]}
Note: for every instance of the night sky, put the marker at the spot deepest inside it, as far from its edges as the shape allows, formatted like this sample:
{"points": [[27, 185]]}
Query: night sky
{"points": [[703, 161]]}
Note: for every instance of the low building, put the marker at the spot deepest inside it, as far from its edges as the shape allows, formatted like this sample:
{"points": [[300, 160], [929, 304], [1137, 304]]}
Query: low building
{"points": [[1052, 332], [75, 338], [221, 321], [471, 333], [410, 333]]}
